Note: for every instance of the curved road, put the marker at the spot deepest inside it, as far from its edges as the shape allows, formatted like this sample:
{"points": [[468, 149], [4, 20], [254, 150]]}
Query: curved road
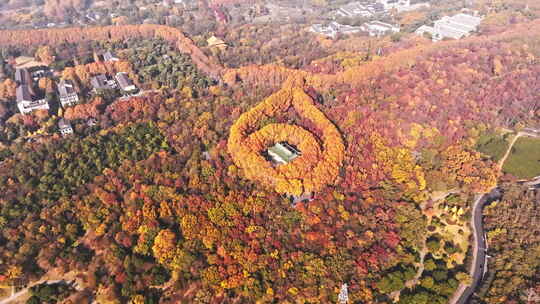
{"points": [[479, 264]]}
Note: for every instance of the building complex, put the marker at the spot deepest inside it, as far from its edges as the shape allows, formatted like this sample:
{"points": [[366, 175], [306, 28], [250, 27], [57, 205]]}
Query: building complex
{"points": [[26, 97], [454, 27]]}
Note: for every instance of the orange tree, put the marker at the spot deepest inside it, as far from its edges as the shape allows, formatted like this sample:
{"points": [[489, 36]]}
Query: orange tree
{"points": [[321, 155]]}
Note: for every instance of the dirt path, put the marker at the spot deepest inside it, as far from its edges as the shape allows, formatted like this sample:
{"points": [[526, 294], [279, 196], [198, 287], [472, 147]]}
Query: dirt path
{"points": [[510, 146], [529, 133]]}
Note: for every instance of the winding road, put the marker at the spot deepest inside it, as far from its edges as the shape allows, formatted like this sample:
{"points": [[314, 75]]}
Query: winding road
{"points": [[479, 264]]}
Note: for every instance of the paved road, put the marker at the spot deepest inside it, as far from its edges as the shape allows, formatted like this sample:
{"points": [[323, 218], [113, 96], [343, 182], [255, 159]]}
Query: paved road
{"points": [[479, 265]]}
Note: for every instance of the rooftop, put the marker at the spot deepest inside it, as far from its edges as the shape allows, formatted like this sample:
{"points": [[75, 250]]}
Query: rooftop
{"points": [[333, 28], [23, 93], [62, 123], [22, 76], [99, 82], [108, 56], [214, 41], [282, 153], [65, 88], [456, 26], [124, 82]]}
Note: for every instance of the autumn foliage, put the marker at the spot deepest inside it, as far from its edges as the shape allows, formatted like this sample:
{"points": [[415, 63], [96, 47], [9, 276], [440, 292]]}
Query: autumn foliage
{"points": [[53, 37], [80, 74], [317, 166], [7, 89]]}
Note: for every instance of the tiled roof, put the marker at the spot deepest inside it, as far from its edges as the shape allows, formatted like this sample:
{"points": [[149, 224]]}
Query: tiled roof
{"points": [[123, 80], [99, 82], [23, 93], [65, 88]]}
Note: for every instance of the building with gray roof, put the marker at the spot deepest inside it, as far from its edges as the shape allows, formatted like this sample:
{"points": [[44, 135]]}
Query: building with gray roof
{"points": [[26, 102], [282, 153], [454, 27], [67, 94], [64, 127], [124, 82], [108, 56], [101, 82], [22, 76]]}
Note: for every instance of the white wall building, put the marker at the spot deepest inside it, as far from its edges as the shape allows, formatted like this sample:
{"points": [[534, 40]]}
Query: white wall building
{"points": [[124, 82], [395, 4], [64, 127], [378, 28], [26, 103], [67, 94], [355, 9], [455, 27], [333, 29]]}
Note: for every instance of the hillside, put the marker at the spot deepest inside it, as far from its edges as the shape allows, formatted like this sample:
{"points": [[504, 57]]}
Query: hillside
{"points": [[170, 193]]}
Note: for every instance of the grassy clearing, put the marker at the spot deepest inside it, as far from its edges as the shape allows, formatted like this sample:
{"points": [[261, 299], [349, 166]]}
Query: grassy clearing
{"points": [[524, 159], [493, 144]]}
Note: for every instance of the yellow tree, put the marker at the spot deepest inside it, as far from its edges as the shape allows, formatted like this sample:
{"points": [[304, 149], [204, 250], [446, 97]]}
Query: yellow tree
{"points": [[46, 84], [164, 246], [7, 89], [45, 54]]}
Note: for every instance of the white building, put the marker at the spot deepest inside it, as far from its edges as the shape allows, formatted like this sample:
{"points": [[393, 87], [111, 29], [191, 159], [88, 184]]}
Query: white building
{"points": [[282, 153], [333, 29], [413, 7], [455, 27], [64, 127], [26, 103], [355, 9], [108, 56], [395, 4], [343, 297], [67, 94], [102, 82], [378, 28], [125, 83]]}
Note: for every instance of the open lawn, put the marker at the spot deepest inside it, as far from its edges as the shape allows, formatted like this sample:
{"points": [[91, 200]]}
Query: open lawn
{"points": [[524, 160], [493, 144]]}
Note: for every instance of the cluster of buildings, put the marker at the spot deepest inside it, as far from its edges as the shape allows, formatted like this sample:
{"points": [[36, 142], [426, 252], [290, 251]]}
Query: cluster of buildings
{"points": [[121, 80], [454, 27], [333, 29], [28, 100], [369, 9], [358, 9], [373, 28], [365, 9]]}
